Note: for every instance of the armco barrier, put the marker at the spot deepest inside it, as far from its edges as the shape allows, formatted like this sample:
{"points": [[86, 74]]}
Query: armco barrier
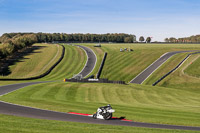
{"points": [[94, 81], [44, 74], [173, 69], [101, 67]]}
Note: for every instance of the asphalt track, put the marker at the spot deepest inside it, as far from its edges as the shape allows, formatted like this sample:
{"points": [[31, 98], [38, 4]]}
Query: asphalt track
{"points": [[139, 79], [91, 61], [18, 110]]}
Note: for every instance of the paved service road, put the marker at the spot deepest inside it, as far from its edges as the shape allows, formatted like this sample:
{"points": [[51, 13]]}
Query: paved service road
{"points": [[139, 79], [91, 61]]}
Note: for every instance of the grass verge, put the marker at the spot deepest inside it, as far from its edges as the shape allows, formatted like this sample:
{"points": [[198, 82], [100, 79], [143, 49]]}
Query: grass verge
{"points": [[194, 68], [13, 124]]}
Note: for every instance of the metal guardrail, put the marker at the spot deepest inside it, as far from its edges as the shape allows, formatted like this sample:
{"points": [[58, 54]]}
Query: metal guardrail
{"points": [[94, 81], [101, 67]]}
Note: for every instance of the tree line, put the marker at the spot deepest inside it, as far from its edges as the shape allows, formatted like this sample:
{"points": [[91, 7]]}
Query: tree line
{"points": [[11, 44], [191, 39], [50, 37]]}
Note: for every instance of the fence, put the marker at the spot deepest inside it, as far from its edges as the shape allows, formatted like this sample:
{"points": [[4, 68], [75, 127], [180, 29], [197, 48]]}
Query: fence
{"points": [[101, 67], [94, 81]]}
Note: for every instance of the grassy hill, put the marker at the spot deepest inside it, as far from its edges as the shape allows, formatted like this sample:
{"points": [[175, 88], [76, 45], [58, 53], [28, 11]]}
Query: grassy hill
{"points": [[194, 68], [36, 62], [72, 63], [126, 65], [181, 80]]}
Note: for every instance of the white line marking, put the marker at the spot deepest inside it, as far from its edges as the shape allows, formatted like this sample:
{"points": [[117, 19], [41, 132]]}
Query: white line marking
{"points": [[14, 90]]}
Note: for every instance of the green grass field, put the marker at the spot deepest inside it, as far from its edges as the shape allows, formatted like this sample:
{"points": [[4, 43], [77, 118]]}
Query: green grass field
{"points": [[126, 65], [194, 68], [13, 124], [181, 80], [136, 102], [35, 63], [72, 63], [175, 100]]}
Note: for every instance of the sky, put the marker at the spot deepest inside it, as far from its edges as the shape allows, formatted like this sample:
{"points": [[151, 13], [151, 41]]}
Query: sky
{"points": [[155, 18]]}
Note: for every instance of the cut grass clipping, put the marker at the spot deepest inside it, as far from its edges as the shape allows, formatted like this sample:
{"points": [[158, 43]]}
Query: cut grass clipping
{"points": [[135, 102]]}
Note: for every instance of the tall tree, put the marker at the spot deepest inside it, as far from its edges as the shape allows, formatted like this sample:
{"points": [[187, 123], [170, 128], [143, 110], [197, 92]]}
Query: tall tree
{"points": [[141, 39], [148, 40], [166, 40], [172, 39], [128, 39]]}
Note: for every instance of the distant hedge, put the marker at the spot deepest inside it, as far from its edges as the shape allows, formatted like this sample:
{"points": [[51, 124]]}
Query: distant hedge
{"points": [[191, 39]]}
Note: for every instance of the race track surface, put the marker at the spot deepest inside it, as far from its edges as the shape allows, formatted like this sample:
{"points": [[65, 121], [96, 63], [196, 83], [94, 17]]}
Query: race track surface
{"points": [[18, 110], [91, 61], [9, 88], [139, 79]]}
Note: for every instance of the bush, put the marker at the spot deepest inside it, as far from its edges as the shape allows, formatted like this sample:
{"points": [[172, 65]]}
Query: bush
{"points": [[7, 49]]}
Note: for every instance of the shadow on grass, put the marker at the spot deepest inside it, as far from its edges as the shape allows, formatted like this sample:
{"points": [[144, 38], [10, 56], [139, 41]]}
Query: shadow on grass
{"points": [[15, 58]]}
